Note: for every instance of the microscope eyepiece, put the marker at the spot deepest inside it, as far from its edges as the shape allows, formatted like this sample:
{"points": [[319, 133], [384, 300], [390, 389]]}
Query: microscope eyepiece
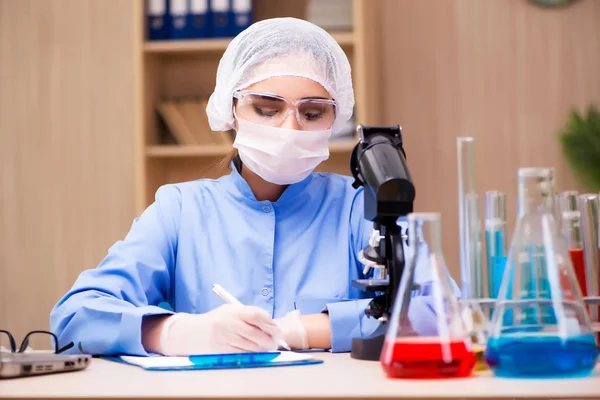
{"points": [[379, 164]]}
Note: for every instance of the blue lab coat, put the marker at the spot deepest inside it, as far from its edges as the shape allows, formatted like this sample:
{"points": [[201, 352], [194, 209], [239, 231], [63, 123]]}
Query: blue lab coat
{"points": [[299, 252]]}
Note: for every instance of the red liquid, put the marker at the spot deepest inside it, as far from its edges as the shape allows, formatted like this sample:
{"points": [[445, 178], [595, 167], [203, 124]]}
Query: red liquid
{"points": [[424, 358], [578, 260]]}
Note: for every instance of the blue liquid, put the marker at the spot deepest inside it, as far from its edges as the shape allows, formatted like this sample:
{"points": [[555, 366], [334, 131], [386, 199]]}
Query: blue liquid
{"points": [[535, 284], [528, 288], [541, 356], [496, 261]]}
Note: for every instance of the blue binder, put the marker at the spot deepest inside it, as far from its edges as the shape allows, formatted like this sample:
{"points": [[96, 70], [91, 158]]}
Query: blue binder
{"points": [[157, 20], [178, 17], [220, 18], [242, 15], [199, 19]]}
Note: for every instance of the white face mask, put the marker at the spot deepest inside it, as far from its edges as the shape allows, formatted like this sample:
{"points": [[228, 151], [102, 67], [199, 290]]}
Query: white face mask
{"points": [[278, 155]]}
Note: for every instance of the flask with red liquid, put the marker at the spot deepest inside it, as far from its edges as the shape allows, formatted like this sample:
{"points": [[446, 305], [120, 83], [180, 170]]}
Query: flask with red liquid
{"points": [[427, 339]]}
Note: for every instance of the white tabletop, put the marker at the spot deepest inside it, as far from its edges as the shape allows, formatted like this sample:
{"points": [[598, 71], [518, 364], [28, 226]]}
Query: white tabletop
{"points": [[338, 377]]}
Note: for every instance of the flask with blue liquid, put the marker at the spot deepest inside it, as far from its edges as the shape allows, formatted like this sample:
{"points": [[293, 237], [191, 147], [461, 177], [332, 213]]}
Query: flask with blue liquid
{"points": [[540, 326]]}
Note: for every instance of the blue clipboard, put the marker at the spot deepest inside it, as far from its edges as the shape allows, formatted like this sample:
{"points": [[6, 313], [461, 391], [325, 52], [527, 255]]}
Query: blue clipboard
{"points": [[218, 361]]}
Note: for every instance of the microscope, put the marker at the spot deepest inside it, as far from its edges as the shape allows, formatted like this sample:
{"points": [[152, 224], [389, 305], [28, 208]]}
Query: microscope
{"points": [[378, 162]]}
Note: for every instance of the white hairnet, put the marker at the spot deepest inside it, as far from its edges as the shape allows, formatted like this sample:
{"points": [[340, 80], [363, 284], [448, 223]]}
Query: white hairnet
{"points": [[281, 47]]}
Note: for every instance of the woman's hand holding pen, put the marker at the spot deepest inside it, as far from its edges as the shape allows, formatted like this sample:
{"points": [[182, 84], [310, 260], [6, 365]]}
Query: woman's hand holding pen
{"points": [[226, 329]]}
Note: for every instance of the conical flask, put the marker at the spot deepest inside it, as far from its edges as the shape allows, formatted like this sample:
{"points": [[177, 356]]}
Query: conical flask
{"points": [[540, 326], [427, 337]]}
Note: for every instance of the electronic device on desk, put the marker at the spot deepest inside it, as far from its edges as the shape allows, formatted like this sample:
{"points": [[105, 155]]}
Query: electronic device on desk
{"points": [[378, 162], [14, 365]]}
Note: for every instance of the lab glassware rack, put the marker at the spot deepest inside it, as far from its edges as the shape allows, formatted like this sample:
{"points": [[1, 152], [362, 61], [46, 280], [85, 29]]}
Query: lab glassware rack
{"points": [[180, 68]]}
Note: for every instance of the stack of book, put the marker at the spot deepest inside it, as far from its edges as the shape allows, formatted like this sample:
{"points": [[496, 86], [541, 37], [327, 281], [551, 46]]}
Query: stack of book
{"points": [[186, 120], [196, 19]]}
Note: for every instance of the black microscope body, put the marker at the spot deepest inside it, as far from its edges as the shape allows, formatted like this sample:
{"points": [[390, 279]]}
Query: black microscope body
{"points": [[378, 162]]}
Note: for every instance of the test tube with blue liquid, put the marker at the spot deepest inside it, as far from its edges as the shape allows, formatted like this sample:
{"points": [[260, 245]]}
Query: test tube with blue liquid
{"points": [[549, 332], [495, 239]]}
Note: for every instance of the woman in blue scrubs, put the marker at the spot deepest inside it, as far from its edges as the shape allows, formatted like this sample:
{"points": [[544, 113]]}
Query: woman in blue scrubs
{"points": [[280, 238]]}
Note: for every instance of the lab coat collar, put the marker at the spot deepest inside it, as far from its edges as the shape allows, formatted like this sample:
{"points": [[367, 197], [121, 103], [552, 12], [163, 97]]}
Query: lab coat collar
{"points": [[289, 194]]}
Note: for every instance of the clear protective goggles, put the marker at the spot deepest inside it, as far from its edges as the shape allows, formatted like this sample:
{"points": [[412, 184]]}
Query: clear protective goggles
{"points": [[312, 114]]}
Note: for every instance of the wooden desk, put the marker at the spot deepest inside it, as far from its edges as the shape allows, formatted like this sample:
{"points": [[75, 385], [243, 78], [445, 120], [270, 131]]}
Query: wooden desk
{"points": [[339, 377]]}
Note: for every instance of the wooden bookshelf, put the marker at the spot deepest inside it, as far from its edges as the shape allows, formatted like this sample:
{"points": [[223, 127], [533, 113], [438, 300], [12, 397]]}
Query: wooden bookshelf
{"points": [[174, 150], [345, 39], [186, 68], [186, 151]]}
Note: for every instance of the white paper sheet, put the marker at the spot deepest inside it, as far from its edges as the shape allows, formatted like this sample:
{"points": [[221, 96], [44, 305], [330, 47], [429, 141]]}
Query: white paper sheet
{"points": [[287, 356], [151, 362]]}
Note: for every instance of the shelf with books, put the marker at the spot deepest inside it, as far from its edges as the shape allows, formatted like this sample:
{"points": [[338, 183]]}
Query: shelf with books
{"points": [[345, 40], [175, 150]]}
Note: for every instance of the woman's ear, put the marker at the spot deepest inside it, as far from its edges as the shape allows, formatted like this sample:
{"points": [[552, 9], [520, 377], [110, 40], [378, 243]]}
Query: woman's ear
{"points": [[235, 123]]}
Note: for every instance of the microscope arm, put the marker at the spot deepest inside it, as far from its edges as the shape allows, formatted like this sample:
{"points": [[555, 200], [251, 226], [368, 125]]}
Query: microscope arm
{"points": [[396, 262]]}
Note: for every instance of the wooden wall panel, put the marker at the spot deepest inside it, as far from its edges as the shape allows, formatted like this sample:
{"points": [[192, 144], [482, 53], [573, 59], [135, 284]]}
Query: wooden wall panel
{"points": [[66, 147], [503, 71]]}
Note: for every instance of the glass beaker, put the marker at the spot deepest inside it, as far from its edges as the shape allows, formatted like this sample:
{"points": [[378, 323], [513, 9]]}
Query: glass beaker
{"points": [[428, 339], [540, 326]]}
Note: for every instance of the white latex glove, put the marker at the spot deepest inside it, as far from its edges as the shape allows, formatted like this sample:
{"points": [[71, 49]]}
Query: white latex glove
{"points": [[293, 330], [226, 329]]}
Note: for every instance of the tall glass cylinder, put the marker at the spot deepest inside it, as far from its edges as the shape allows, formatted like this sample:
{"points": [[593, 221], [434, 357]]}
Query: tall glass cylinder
{"points": [[469, 222]]}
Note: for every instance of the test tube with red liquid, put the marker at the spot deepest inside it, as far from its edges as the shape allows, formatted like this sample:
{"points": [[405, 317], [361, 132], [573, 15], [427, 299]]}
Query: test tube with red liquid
{"points": [[588, 203], [570, 214], [442, 347]]}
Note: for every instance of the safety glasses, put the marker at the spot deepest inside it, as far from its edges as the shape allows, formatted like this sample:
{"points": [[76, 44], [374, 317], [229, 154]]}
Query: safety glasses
{"points": [[25, 342], [312, 114]]}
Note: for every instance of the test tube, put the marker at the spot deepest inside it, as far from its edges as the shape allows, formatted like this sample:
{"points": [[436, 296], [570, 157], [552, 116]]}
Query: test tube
{"points": [[469, 222], [495, 238], [589, 217], [557, 212], [573, 235]]}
